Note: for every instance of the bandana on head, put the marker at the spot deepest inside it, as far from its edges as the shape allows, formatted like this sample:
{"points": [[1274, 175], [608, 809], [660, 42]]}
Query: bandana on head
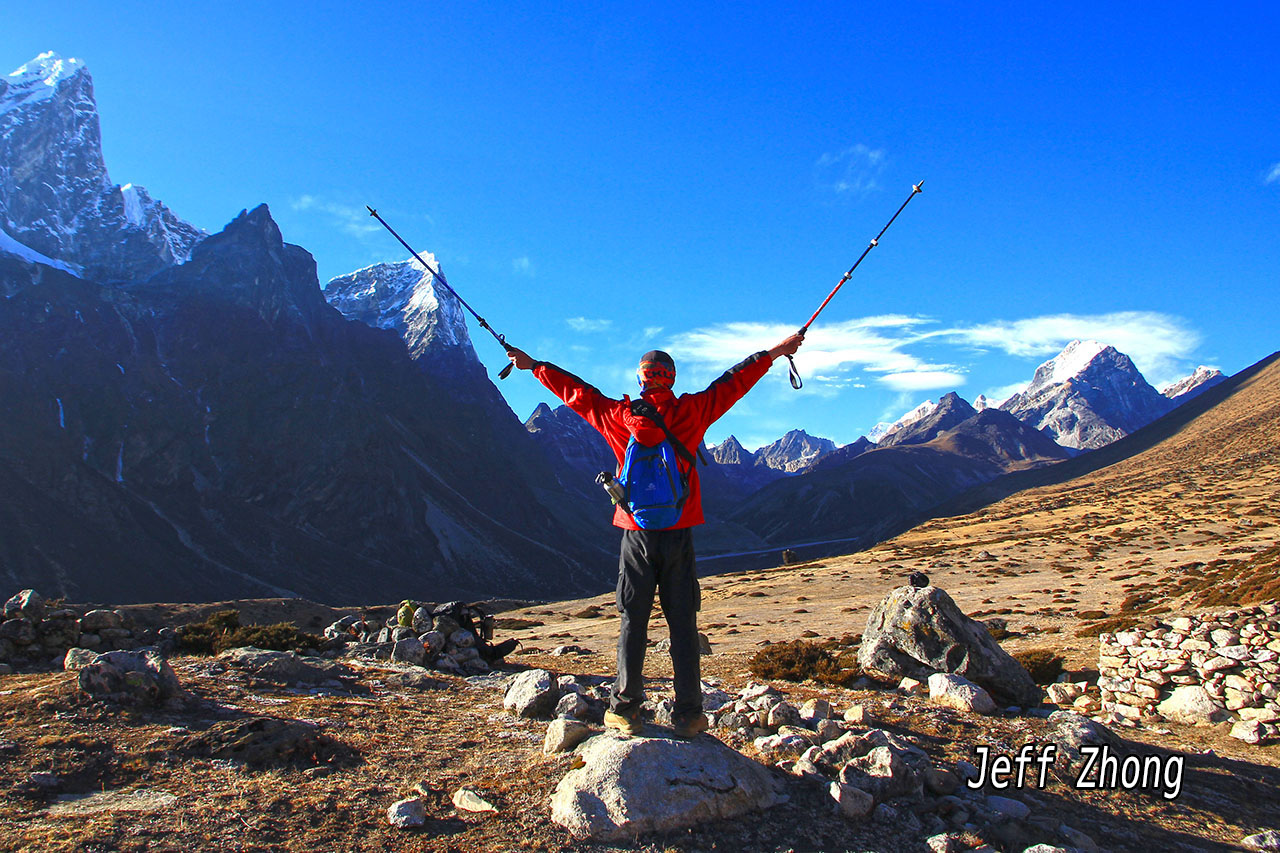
{"points": [[656, 368]]}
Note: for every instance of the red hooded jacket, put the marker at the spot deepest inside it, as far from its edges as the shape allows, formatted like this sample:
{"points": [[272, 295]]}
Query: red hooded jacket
{"points": [[687, 416]]}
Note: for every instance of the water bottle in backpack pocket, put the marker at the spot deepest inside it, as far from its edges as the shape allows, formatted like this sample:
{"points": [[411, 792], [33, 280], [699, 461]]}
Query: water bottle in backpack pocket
{"points": [[656, 489]]}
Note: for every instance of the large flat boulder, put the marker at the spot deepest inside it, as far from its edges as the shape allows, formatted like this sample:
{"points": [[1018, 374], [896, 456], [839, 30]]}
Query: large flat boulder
{"points": [[627, 786], [915, 632]]}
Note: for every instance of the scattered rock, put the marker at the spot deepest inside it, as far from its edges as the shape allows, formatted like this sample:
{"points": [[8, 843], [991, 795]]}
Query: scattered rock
{"points": [[1007, 808], [916, 632], [911, 687], [1070, 731], [564, 734], [856, 714], [45, 781], [258, 741], [532, 694], [627, 786], [77, 659], [95, 621], [1064, 692], [957, 692], [139, 800], [284, 667], [1191, 704], [882, 772], [815, 710], [946, 843], [467, 800], [19, 631], [850, 802], [414, 681], [407, 814], [1268, 840], [410, 650], [940, 781], [141, 677], [27, 604], [1249, 731]]}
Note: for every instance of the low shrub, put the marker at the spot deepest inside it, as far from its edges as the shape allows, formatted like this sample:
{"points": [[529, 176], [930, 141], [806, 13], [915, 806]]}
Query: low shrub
{"points": [[801, 661], [1041, 664], [222, 630]]}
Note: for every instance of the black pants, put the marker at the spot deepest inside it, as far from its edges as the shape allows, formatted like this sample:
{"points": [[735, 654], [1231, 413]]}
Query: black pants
{"points": [[660, 560]]}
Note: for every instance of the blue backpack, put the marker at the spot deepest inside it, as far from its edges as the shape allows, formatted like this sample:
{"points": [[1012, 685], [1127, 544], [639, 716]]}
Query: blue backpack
{"points": [[655, 486]]}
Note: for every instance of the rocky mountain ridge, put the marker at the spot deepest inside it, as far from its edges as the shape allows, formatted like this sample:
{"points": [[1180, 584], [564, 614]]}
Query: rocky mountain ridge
{"points": [[1087, 396], [56, 197]]}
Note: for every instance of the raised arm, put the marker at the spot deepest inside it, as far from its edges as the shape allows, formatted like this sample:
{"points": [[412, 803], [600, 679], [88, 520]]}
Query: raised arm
{"points": [[735, 382]]}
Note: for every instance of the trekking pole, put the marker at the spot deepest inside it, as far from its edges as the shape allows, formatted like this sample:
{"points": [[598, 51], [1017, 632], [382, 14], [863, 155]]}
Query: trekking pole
{"points": [[794, 375], [502, 339]]}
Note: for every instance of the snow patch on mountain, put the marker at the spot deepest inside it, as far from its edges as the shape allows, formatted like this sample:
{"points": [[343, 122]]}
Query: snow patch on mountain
{"points": [[883, 429], [56, 197], [37, 80], [11, 246], [403, 297], [1201, 380], [1087, 396], [1072, 361]]}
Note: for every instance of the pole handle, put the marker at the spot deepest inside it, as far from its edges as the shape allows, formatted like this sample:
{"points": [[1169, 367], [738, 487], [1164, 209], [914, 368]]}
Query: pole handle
{"points": [[506, 371]]}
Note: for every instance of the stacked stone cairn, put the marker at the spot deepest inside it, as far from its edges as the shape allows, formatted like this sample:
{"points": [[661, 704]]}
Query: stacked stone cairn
{"points": [[438, 642], [1198, 670], [35, 636]]}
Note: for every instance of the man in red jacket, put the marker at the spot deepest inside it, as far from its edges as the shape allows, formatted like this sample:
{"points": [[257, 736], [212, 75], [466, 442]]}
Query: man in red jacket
{"points": [[657, 560]]}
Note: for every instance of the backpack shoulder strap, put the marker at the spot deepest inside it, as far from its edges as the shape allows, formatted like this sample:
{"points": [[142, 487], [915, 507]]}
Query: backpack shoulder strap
{"points": [[643, 408]]}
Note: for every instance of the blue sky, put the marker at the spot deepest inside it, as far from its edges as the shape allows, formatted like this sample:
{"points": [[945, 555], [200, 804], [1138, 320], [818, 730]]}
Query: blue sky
{"points": [[603, 180]]}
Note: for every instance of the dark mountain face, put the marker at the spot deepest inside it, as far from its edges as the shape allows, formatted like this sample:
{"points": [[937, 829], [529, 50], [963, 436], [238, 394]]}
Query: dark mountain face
{"points": [[879, 492], [219, 430], [55, 194], [842, 454], [950, 412]]}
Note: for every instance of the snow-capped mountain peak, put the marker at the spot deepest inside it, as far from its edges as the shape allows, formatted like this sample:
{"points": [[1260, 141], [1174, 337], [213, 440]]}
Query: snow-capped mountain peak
{"points": [[1071, 362], [405, 298], [1201, 380], [56, 198], [37, 80], [883, 429], [1087, 396]]}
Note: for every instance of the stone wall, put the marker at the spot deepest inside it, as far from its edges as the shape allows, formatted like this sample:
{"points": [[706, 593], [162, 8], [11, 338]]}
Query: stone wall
{"points": [[1234, 657]]}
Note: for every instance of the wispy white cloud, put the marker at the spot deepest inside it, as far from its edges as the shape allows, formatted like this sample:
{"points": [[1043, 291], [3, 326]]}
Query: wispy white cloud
{"points": [[876, 345], [923, 380], [1156, 342], [584, 324], [352, 219], [997, 395], [523, 266], [851, 170], [1273, 175], [651, 332], [887, 350]]}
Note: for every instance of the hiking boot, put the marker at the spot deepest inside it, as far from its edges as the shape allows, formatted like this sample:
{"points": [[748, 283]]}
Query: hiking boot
{"points": [[623, 723], [691, 727]]}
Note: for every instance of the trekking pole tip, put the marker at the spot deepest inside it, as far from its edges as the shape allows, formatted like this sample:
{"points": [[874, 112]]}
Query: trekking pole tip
{"points": [[372, 212], [915, 188]]}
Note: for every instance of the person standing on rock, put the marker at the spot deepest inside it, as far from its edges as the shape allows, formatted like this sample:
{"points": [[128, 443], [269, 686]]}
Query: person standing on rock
{"points": [[660, 560]]}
